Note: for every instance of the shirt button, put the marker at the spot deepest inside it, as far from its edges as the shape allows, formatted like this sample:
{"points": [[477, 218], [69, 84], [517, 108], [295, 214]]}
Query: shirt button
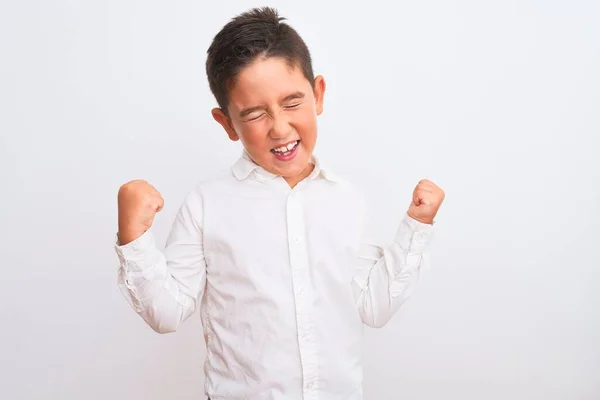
{"points": [[306, 338], [310, 385], [297, 239], [301, 290]]}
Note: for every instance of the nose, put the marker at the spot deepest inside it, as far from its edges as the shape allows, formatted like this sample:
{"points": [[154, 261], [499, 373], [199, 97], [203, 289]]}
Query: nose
{"points": [[281, 127]]}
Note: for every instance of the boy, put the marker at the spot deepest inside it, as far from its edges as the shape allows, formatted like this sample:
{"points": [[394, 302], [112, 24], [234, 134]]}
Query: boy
{"points": [[272, 249]]}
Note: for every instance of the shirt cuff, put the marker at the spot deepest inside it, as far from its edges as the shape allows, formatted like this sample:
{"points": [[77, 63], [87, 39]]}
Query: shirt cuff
{"points": [[136, 248], [414, 236]]}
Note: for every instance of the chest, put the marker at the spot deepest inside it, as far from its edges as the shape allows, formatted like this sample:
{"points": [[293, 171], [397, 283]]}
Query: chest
{"points": [[265, 229]]}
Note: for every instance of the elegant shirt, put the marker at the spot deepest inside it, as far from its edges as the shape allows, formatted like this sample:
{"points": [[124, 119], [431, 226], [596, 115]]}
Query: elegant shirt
{"points": [[283, 278]]}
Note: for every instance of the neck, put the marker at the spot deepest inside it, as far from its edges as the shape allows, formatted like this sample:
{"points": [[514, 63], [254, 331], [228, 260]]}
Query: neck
{"points": [[294, 180]]}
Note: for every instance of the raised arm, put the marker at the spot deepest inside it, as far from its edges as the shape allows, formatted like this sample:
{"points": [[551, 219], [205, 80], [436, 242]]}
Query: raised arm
{"points": [[387, 276], [163, 287]]}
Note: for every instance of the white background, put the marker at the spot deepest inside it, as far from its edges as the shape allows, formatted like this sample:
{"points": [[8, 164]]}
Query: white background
{"points": [[497, 102]]}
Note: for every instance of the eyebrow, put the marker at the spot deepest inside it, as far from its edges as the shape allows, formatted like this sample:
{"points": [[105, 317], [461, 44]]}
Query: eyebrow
{"points": [[294, 96]]}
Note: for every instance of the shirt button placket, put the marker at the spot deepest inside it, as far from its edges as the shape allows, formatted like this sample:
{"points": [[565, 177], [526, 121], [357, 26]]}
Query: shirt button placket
{"points": [[302, 295]]}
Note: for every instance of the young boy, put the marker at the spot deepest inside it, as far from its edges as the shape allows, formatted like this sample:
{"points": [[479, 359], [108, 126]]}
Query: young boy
{"points": [[271, 251]]}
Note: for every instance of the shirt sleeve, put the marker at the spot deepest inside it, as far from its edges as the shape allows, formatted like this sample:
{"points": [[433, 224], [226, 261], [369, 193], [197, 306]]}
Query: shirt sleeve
{"points": [[164, 287], [387, 275]]}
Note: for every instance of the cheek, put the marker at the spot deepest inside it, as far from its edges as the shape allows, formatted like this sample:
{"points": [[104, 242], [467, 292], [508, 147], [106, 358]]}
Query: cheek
{"points": [[306, 126], [252, 136]]}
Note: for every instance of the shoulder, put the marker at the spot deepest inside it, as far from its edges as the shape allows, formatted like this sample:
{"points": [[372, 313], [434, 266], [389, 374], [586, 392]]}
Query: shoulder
{"points": [[341, 183], [219, 182], [341, 189]]}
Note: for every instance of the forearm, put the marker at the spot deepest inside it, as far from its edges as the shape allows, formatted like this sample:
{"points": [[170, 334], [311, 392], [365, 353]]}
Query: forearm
{"points": [[388, 275], [149, 287]]}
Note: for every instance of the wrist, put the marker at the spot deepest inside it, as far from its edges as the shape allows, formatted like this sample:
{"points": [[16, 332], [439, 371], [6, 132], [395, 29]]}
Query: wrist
{"points": [[428, 221], [127, 236]]}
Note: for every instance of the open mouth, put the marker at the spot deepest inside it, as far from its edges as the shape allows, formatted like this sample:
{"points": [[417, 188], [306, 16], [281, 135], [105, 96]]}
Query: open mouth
{"points": [[286, 150]]}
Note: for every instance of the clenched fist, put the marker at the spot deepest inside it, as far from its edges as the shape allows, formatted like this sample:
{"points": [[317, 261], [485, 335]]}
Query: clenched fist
{"points": [[138, 203], [426, 201]]}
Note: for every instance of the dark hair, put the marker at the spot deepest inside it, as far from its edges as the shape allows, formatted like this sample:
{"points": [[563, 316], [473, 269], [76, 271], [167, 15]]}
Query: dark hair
{"points": [[258, 32]]}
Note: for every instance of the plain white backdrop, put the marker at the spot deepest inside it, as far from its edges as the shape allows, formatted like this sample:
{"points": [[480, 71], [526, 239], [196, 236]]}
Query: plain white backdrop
{"points": [[498, 102]]}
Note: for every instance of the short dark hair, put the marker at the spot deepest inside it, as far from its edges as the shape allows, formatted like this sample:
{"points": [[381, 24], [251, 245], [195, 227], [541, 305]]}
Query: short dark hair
{"points": [[259, 32]]}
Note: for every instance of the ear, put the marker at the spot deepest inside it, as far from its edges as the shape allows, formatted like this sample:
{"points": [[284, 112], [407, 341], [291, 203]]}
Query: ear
{"points": [[319, 90], [225, 122]]}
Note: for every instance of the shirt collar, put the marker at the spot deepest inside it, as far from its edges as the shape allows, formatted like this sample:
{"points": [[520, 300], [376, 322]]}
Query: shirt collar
{"points": [[245, 166]]}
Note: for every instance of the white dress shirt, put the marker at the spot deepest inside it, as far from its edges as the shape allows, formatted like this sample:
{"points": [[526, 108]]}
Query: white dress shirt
{"points": [[283, 279]]}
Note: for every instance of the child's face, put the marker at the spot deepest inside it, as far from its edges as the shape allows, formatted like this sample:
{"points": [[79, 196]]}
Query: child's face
{"points": [[273, 111]]}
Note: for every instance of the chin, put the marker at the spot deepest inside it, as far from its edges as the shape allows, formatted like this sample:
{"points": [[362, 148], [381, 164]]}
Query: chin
{"points": [[300, 164], [298, 170]]}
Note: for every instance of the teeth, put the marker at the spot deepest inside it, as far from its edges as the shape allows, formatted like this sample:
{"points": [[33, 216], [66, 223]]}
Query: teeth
{"points": [[285, 149]]}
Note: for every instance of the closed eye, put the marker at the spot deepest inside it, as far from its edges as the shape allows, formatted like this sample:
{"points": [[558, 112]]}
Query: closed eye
{"points": [[255, 118], [292, 106]]}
